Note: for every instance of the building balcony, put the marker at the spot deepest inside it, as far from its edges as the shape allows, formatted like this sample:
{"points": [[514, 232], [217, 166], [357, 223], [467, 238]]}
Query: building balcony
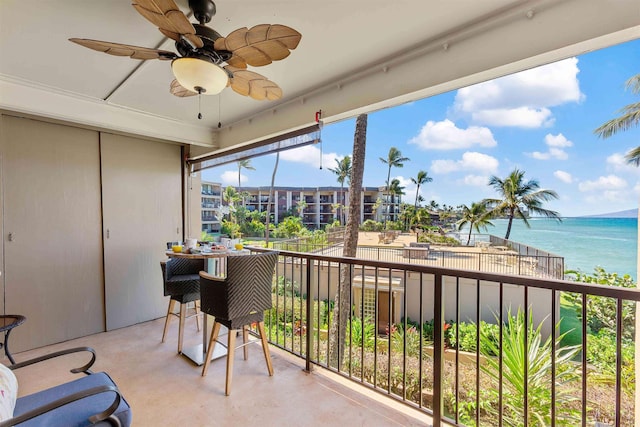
{"points": [[391, 373], [146, 371]]}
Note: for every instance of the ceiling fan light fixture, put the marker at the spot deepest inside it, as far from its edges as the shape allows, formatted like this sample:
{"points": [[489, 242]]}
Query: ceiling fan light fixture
{"points": [[198, 75]]}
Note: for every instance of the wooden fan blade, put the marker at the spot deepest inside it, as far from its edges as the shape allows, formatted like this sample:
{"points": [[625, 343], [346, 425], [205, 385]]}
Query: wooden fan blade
{"points": [[252, 84], [180, 91], [135, 52], [261, 44], [166, 15], [237, 62]]}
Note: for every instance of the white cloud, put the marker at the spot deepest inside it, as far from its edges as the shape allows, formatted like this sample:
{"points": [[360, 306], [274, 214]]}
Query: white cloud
{"points": [[310, 154], [445, 135], [604, 183], [558, 140], [563, 176], [618, 163], [523, 117], [476, 180], [540, 156], [471, 161], [556, 143], [522, 99], [231, 178], [409, 187]]}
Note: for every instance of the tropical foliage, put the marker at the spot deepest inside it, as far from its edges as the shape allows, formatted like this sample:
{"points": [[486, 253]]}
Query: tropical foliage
{"points": [[629, 117], [527, 359], [518, 198], [422, 178], [394, 159], [601, 311], [477, 217], [343, 171]]}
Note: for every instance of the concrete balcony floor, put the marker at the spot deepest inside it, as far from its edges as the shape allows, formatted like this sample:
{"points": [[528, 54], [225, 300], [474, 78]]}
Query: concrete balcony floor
{"points": [[166, 389]]}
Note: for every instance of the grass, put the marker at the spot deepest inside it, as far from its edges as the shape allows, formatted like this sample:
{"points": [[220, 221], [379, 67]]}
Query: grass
{"points": [[570, 323]]}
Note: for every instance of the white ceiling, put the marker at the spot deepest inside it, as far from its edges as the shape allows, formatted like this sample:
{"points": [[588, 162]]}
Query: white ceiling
{"points": [[355, 56]]}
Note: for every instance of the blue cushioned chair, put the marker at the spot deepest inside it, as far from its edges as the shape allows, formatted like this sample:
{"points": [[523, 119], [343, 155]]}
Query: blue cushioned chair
{"points": [[93, 399]]}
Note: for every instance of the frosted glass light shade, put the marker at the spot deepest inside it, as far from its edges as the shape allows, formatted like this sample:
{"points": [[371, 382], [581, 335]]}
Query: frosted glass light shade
{"points": [[193, 73]]}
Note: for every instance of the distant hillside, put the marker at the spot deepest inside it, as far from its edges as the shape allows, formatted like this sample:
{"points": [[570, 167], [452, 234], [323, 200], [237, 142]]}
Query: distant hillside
{"points": [[630, 213]]}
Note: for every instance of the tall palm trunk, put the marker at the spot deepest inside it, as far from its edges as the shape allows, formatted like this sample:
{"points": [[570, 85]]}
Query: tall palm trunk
{"points": [[342, 308], [341, 215], [273, 179], [508, 233], [387, 197], [415, 204]]}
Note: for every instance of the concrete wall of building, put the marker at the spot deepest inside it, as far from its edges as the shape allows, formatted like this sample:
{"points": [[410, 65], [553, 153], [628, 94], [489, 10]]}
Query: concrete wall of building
{"points": [[419, 290], [193, 226]]}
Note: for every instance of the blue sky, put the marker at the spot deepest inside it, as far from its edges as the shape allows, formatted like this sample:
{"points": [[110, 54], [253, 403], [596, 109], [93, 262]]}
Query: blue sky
{"points": [[540, 121]]}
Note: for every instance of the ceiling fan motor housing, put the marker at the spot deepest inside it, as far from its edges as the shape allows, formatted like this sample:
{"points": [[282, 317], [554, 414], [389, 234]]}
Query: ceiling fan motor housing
{"points": [[203, 10], [207, 52]]}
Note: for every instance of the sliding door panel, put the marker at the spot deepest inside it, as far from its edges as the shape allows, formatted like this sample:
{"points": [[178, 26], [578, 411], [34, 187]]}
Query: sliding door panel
{"points": [[51, 231], [142, 210]]}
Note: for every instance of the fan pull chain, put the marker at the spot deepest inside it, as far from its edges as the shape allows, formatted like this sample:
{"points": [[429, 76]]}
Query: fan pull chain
{"points": [[219, 122], [199, 105]]}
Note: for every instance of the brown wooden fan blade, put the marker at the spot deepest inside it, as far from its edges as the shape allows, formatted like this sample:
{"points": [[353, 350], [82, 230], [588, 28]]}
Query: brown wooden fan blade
{"points": [[237, 62], [135, 52], [261, 44], [166, 15], [252, 84], [180, 91]]}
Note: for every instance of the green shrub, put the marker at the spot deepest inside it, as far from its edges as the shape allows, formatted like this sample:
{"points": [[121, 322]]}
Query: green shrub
{"points": [[290, 227], [601, 352], [601, 310], [468, 336], [437, 239], [371, 225], [537, 357], [363, 332], [394, 225]]}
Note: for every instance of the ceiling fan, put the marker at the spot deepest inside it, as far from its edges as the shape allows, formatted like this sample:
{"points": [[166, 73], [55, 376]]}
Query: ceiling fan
{"points": [[198, 67]]}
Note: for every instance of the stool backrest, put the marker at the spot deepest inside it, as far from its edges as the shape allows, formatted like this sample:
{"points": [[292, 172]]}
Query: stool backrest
{"points": [[181, 266], [245, 291]]}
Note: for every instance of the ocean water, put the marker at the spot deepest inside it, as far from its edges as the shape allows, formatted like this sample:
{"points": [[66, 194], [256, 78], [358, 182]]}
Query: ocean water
{"points": [[611, 243]]}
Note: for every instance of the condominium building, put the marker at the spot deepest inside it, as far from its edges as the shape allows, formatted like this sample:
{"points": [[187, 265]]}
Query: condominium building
{"points": [[321, 204], [211, 196]]}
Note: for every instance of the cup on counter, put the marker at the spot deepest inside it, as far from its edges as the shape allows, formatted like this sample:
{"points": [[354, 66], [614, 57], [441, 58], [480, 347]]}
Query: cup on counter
{"points": [[177, 248]]}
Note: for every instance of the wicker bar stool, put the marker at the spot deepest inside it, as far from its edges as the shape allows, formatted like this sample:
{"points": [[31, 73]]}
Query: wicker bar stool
{"points": [[182, 283], [238, 301]]}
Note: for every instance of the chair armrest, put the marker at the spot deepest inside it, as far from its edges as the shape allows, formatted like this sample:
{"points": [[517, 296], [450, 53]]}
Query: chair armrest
{"points": [[106, 415], [205, 275], [85, 369]]}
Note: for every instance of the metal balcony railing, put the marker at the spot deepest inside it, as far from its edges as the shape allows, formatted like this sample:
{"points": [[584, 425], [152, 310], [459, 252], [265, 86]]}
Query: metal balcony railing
{"points": [[400, 329]]}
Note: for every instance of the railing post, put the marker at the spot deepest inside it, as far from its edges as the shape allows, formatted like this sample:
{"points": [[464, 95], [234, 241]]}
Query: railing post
{"points": [[438, 348], [309, 334]]}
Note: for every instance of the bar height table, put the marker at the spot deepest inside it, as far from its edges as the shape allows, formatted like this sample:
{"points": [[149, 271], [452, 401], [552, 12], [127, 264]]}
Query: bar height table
{"points": [[216, 265]]}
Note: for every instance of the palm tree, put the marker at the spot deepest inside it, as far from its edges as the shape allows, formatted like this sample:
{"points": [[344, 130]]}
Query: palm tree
{"points": [[273, 180], [422, 178], [477, 216], [394, 158], [630, 116], [396, 192], [243, 164], [342, 307], [343, 170], [518, 196]]}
